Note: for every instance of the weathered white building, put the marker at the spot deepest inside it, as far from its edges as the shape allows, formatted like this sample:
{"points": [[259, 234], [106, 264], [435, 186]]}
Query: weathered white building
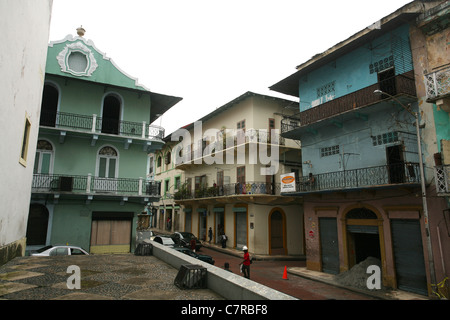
{"points": [[25, 29], [216, 178]]}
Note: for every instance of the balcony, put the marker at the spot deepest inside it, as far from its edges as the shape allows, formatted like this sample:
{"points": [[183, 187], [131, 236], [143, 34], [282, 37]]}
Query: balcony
{"points": [[91, 186], [437, 84], [401, 86], [260, 192], [93, 126], [232, 189], [229, 141], [372, 177], [442, 176]]}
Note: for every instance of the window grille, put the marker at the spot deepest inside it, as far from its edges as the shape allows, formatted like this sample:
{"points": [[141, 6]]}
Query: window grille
{"points": [[326, 89], [385, 138], [328, 151], [382, 64]]}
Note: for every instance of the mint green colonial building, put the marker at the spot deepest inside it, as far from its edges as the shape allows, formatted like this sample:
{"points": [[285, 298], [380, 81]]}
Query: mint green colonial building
{"points": [[95, 134]]}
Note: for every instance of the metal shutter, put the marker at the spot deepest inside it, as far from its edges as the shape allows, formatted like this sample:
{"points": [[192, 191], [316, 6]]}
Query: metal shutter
{"points": [[408, 256]]}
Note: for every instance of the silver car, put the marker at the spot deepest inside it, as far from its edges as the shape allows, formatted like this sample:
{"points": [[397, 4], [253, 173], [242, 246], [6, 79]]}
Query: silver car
{"points": [[60, 251]]}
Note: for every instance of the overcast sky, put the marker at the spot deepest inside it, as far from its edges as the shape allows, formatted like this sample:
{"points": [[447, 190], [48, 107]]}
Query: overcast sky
{"points": [[209, 52]]}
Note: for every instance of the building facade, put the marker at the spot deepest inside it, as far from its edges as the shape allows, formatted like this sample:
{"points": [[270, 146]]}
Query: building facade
{"points": [[89, 181], [429, 37], [221, 177], [361, 184], [166, 214], [23, 56]]}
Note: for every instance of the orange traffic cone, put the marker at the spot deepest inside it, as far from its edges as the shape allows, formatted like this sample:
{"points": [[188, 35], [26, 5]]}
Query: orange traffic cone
{"points": [[285, 273]]}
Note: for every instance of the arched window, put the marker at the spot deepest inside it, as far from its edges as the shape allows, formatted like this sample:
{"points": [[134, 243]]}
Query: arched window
{"points": [[361, 213], [111, 114], [158, 162], [43, 162], [107, 163], [49, 107], [168, 158]]}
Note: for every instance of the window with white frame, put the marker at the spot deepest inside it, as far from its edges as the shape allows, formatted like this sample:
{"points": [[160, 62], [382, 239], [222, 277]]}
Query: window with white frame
{"points": [[107, 162], [43, 162]]}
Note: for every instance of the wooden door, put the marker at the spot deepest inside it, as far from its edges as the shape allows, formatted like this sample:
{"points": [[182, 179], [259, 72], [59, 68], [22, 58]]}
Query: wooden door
{"points": [[110, 236]]}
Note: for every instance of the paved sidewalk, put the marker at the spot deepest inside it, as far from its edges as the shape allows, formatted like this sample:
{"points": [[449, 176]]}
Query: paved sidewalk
{"points": [[103, 277], [325, 278]]}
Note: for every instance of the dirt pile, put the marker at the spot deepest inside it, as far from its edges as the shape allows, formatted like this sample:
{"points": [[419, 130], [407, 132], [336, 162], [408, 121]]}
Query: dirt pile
{"points": [[357, 276]]}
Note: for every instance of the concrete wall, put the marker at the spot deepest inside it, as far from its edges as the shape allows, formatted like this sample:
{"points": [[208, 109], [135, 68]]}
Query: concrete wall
{"points": [[25, 29], [228, 285]]}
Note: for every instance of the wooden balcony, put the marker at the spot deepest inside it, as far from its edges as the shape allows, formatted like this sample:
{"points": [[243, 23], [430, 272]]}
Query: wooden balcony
{"points": [[401, 85]]}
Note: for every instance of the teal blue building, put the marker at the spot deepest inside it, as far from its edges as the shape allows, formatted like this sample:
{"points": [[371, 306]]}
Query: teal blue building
{"points": [[361, 181], [95, 133]]}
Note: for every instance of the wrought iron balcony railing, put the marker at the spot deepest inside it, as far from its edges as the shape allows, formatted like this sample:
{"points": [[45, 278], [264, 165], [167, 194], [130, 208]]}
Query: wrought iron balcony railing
{"points": [[399, 85], [233, 189], [94, 124], [230, 140], [442, 175], [63, 183], [437, 84], [402, 173]]}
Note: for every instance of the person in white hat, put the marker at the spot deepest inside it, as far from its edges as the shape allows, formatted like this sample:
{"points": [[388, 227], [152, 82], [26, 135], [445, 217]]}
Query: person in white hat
{"points": [[246, 263]]}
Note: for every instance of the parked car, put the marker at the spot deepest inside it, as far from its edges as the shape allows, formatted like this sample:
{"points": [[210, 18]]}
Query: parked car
{"points": [[59, 251], [146, 235], [193, 254], [164, 240], [153, 234], [183, 239]]}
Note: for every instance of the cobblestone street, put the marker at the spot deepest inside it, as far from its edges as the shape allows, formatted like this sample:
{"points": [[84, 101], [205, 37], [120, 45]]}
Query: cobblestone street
{"points": [[103, 277]]}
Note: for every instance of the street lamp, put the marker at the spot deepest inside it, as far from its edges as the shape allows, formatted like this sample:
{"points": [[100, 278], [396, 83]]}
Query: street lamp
{"points": [[422, 180]]}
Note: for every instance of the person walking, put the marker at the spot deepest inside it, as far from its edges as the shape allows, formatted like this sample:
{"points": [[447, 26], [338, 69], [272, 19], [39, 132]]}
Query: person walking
{"points": [[246, 263], [224, 240], [193, 244], [210, 234]]}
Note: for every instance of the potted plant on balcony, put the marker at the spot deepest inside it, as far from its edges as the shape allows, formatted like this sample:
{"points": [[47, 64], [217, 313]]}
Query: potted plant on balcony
{"points": [[182, 193]]}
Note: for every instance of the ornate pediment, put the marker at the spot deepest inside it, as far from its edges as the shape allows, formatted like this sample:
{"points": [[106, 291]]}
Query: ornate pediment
{"points": [[77, 59]]}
